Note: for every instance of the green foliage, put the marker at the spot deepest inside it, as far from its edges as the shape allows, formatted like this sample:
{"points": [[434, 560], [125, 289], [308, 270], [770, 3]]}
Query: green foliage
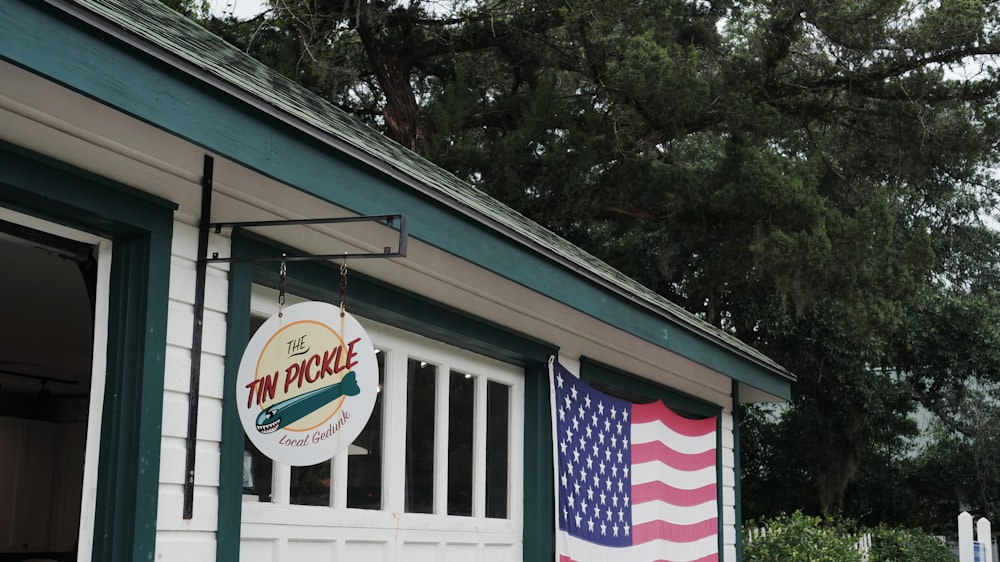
{"points": [[801, 538], [907, 545], [960, 463]]}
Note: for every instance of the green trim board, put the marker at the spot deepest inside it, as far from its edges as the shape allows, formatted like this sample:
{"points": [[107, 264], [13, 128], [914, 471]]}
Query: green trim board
{"points": [[227, 541], [140, 85], [140, 230], [539, 481], [379, 301], [594, 371], [738, 469]]}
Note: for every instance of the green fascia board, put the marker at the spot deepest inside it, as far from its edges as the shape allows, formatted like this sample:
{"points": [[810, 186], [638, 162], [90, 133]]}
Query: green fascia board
{"points": [[186, 81], [379, 301], [140, 229], [594, 371]]}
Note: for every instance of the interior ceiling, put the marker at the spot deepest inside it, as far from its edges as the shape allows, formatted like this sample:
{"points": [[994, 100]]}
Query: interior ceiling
{"points": [[49, 326]]}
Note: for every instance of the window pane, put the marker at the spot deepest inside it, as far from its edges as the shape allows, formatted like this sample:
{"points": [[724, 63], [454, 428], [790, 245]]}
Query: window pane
{"points": [[420, 436], [257, 468], [364, 460], [310, 484], [461, 405], [256, 472], [497, 439]]}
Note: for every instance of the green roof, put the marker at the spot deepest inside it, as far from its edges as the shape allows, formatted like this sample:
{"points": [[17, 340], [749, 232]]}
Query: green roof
{"points": [[224, 66]]}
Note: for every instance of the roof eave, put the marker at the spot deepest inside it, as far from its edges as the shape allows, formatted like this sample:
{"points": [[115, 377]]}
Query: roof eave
{"points": [[141, 44]]}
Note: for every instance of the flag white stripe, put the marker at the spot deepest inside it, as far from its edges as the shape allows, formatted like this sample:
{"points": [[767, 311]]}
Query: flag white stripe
{"points": [[583, 551], [684, 480], [658, 510], [657, 431]]}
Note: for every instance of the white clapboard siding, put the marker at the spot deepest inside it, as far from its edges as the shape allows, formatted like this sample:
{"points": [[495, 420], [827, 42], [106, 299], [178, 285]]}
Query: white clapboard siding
{"points": [[260, 543], [176, 537], [729, 536]]}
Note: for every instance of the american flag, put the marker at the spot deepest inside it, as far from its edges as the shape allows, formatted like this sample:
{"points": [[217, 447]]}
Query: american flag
{"points": [[634, 482]]}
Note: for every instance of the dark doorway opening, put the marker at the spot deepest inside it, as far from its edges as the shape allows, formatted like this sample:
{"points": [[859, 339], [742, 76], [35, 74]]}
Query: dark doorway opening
{"points": [[47, 295]]}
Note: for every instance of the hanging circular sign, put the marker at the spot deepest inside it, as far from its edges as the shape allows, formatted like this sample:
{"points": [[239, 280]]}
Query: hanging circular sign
{"points": [[307, 384]]}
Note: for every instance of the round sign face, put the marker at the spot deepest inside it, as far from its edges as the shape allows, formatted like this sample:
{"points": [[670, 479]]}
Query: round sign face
{"points": [[307, 384]]}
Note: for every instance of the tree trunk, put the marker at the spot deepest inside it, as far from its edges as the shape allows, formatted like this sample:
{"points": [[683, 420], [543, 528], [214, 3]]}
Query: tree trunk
{"points": [[839, 461], [392, 70]]}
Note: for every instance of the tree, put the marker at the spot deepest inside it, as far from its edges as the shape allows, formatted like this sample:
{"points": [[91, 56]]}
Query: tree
{"points": [[811, 176]]}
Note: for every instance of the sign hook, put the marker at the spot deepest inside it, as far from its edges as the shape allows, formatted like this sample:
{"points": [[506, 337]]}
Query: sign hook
{"points": [[282, 276], [343, 286]]}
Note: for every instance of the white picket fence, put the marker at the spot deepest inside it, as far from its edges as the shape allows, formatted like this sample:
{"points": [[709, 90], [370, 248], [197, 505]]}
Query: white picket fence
{"points": [[864, 546], [974, 549]]}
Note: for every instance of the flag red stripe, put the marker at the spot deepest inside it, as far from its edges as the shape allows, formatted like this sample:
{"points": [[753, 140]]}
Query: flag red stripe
{"points": [[658, 411], [658, 451], [652, 491], [709, 558], [662, 530]]}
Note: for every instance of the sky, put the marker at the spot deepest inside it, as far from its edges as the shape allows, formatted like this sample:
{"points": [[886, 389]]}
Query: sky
{"points": [[242, 9]]}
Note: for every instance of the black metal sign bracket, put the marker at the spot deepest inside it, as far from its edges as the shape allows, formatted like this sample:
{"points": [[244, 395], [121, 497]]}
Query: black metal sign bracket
{"points": [[393, 221], [206, 226]]}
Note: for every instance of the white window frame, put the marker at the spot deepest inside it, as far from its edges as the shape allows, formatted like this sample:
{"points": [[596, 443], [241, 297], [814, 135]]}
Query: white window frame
{"points": [[99, 361], [279, 520]]}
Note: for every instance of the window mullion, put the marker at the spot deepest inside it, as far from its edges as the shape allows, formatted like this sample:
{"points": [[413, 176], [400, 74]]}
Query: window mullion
{"points": [[479, 449], [281, 484], [515, 444], [442, 412], [338, 479], [394, 432]]}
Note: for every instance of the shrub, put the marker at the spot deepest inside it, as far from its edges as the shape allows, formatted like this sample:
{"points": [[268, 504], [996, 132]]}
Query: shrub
{"points": [[801, 538], [907, 545]]}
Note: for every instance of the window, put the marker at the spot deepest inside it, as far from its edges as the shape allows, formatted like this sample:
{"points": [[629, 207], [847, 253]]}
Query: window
{"points": [[364, 458], [439, 441], [421, 379]]}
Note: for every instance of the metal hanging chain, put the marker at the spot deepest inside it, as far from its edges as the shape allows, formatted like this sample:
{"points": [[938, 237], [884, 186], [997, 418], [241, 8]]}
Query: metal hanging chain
{"points": [[343, 287], [282, 274]]}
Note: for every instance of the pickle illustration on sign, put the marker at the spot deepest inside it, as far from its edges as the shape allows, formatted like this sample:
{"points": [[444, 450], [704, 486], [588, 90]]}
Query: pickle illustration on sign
{"points": [[287, 411], [307, 384]]}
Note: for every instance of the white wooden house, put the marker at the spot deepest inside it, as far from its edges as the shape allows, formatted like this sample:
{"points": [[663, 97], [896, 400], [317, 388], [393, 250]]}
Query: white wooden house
{"points": [[114, 116]]}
